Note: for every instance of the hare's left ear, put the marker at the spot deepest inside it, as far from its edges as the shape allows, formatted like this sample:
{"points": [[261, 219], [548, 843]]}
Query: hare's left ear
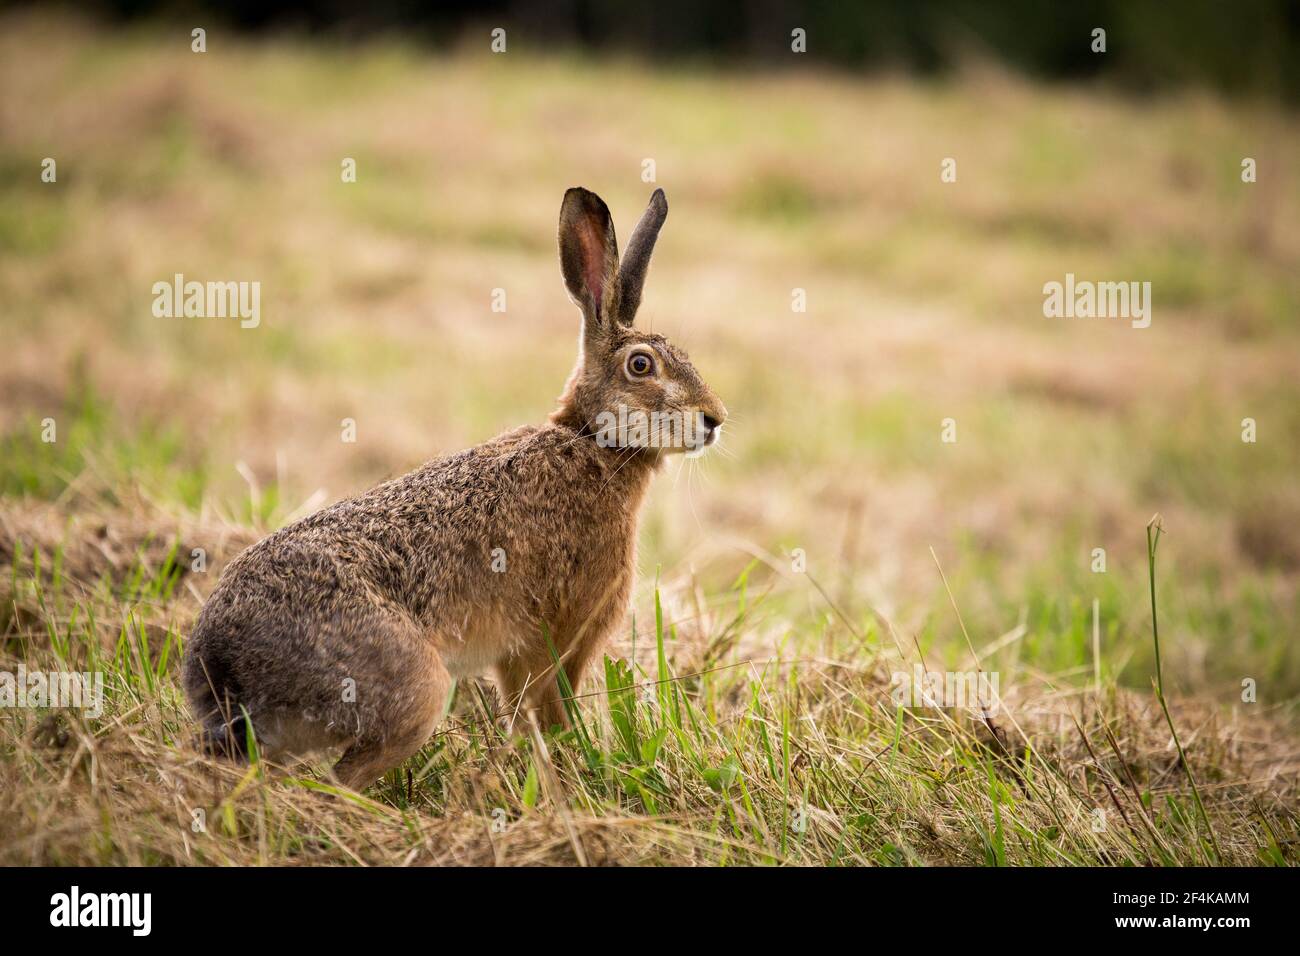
{"points": [[631, 277], [589, 256]]}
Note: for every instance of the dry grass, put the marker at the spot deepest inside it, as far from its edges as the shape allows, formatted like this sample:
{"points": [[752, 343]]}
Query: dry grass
{"points": [[785, 759], [767, 733]]}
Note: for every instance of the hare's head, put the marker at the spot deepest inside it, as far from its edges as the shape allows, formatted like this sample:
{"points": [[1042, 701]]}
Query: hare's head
{"points": [[630, 387]]}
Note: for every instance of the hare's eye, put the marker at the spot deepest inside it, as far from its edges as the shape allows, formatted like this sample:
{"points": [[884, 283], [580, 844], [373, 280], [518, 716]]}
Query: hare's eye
{"points": [[638, 363]]}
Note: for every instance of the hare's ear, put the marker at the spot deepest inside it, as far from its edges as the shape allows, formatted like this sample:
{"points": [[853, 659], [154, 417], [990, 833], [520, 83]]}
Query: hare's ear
{"points": [[589, 255], [631, 277]]}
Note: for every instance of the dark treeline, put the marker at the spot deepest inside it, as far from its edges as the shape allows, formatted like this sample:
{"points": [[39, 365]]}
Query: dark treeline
{"points": [[1240, 47]]}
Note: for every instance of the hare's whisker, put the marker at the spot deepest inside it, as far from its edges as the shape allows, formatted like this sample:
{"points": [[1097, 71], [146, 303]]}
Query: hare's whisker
{"points": [[632, 451]]}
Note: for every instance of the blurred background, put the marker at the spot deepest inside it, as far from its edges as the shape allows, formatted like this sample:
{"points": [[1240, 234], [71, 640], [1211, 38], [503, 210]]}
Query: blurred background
{"points": [[1251, 47], [817, 172]]}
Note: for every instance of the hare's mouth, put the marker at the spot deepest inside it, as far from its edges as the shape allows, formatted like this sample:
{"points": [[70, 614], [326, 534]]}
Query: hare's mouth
{"points": [[710, 438]]}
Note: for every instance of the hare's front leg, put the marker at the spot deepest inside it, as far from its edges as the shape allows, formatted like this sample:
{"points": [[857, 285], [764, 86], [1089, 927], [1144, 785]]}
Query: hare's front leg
{"points": [[530, 681]]}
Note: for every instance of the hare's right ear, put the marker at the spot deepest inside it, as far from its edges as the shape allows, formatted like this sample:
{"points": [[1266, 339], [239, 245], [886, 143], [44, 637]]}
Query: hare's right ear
{"points": [[631, 274], [589, 256]]}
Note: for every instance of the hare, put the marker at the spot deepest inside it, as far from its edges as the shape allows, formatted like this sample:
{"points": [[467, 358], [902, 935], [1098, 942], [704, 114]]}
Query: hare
{"points": [[347, 628]]}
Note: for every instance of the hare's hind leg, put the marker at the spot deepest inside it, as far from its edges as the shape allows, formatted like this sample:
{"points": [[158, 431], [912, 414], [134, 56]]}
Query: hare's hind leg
{"points": [[402, 721]]}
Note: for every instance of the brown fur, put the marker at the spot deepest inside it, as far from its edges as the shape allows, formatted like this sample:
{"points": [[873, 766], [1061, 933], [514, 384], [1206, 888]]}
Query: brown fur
{"points": [[346, 629]]}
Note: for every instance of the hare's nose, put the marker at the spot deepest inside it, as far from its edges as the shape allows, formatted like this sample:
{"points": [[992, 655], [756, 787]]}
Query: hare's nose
{"points": [[712, 423]]}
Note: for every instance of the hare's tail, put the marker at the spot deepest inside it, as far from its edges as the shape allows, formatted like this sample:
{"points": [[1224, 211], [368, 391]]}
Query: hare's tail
{"points": [[222, 739], [223, 724]]}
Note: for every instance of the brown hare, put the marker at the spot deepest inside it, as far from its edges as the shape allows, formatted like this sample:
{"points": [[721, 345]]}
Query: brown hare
{"points": [[345, 629]]}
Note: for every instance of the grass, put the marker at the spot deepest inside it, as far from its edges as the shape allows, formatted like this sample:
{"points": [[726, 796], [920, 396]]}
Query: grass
{"points": [[744, 713], [686, 754]]}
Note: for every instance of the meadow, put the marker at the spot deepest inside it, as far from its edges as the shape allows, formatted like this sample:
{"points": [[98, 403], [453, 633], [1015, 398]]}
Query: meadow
{"points": [[744, 714]]}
